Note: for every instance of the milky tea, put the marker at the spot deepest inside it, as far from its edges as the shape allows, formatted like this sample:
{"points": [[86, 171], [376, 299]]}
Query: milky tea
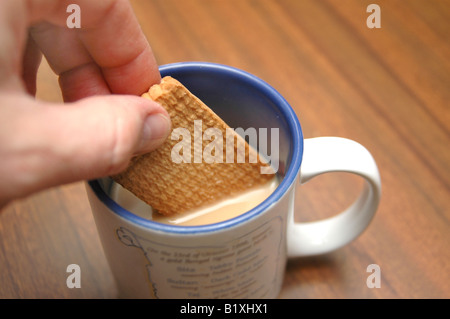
{"points": [[217, 212]]}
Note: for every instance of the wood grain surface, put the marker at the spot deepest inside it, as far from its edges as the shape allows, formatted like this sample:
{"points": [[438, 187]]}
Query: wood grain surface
{"points": [[387, 88]]}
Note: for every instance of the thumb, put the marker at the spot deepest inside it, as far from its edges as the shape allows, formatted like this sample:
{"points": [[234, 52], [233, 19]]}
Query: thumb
{"points": [[101, 134], [50, 144]]}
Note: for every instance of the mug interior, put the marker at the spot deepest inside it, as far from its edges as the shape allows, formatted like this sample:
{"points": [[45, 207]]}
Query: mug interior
{"points": [[242, 101]]}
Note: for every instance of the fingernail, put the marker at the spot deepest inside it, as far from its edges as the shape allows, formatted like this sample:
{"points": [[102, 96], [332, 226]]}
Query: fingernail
{"points": [[155, 131]]}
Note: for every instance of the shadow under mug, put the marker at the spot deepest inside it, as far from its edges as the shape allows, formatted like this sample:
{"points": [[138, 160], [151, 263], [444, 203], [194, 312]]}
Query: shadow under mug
{"points": [[243, 257]]}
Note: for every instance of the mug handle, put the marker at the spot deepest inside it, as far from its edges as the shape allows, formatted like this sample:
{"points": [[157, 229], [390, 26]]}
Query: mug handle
{"points": [[335, 154]]}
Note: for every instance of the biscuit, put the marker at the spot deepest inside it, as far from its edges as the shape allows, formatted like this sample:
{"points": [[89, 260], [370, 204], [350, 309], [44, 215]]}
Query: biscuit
{"points": [[176, 186]]}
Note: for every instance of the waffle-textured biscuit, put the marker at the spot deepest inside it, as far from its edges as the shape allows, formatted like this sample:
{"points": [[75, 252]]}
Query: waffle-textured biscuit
{"points": [[170, 187]]}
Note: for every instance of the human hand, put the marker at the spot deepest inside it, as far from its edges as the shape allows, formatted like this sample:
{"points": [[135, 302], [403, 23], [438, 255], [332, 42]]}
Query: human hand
{"points": [[96, 133]]}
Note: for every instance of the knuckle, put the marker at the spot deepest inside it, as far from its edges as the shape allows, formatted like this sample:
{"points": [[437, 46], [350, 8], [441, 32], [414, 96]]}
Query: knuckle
{"points": [[123, 139]]}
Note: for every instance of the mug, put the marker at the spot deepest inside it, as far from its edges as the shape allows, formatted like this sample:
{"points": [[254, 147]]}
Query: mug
{"points": [[245, 256]]}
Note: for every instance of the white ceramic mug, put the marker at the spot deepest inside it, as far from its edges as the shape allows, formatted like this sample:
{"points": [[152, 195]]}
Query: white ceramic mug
{"points": [[244, 257]]}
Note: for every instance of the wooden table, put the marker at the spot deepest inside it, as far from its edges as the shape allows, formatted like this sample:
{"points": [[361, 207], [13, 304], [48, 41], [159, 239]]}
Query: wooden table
{"points": [[387, 88]]}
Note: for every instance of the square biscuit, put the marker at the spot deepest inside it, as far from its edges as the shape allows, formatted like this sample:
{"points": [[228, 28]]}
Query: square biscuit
{"points": [[171, 181]]}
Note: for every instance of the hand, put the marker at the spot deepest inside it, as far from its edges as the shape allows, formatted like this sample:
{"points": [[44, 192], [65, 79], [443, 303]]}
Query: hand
{"points": [[102, 68]]}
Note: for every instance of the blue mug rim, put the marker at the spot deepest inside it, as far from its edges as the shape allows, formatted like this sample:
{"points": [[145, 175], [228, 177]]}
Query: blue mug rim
{"points": [[283, 187]]}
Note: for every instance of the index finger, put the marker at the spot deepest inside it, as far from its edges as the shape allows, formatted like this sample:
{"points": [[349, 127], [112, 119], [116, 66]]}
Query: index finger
{"points": [[117, 44], [114, 40]]}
